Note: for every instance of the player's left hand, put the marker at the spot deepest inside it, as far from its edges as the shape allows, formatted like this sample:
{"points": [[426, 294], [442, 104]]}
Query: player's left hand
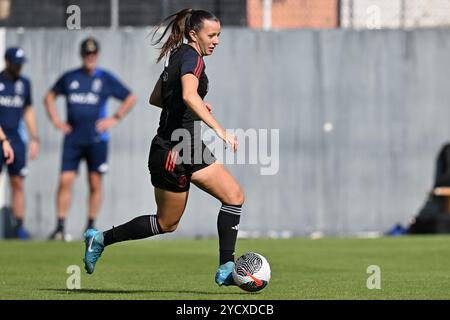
{"points": [[34, 149], [106, 123]]}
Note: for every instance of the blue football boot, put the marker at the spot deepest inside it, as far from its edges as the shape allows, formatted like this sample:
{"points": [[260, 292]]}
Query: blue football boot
{"points": [[224, 276], [22, 234], [94, 248]]}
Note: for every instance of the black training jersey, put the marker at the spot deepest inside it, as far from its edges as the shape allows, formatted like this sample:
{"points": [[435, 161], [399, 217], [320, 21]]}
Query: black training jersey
{"points": [[175, 114]]}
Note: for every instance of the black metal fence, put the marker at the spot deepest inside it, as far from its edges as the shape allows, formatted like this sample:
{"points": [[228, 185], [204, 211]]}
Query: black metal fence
{"points": [[100, 13]]}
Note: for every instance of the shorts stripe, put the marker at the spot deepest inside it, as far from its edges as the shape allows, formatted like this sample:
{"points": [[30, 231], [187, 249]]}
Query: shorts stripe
{"points": [[174, 160], [169, 157]]}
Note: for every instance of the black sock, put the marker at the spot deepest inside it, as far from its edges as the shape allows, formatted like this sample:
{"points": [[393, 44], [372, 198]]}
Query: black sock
{"points": [[90, 224], [19, 223], [138, 228], [60, 224], [228, 225]]}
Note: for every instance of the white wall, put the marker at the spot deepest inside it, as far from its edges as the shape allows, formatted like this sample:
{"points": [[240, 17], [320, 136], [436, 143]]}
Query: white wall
{"points": [[387, 98], [381, 14]]}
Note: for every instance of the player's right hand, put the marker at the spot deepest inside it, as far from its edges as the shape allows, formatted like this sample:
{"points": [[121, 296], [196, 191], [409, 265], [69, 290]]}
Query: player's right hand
{"points": [[64, 127], [34, 149], [229, 139], [8, 152]]}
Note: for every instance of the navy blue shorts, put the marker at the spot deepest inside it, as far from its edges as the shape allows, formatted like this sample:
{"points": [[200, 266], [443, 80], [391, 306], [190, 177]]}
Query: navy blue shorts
{"points": [[19, 166], [95, 154]]}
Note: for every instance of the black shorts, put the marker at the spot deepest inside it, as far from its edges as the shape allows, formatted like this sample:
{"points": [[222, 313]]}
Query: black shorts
{"points": [[168, 168]]}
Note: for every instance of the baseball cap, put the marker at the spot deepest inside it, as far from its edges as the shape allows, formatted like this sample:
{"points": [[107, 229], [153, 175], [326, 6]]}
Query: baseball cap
{"points": [[15, 55], [89, 45]]}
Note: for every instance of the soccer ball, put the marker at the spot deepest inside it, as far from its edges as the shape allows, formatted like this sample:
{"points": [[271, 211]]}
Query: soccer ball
{"points": [[251, 272]]}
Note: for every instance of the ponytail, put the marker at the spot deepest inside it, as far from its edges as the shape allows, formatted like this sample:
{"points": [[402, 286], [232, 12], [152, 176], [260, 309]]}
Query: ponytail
{"points": [[180, 23]]}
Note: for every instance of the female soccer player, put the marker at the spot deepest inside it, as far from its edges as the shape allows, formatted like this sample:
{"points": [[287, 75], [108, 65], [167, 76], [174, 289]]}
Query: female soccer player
{"points": [[180, 91]]}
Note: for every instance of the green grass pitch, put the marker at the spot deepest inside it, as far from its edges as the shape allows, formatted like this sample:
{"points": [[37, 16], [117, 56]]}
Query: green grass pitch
{"points": [[329, 268]]}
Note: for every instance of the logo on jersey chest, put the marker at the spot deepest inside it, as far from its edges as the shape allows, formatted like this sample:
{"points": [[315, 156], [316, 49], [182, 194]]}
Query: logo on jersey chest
{"points": [[96, 85], [15, 101], [74, 85], [18, 87], [165, 76], [84, 98], [11, 101]]}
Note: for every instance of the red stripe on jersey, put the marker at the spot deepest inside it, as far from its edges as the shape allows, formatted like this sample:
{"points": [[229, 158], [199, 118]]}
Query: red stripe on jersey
{"points": [[199, 67], [169, 156]]}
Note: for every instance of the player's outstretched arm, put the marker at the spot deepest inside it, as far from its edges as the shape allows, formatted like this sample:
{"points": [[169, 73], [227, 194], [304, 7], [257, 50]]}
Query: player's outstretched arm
{"points": [[189, 83]]}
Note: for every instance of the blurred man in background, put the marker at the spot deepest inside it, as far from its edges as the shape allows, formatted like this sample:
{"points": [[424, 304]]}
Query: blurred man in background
{"points": [[15, 106], [87, 90]]}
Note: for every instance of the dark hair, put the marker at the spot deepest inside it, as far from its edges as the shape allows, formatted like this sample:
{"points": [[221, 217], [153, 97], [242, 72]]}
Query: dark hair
{"points": [[181, 23]]}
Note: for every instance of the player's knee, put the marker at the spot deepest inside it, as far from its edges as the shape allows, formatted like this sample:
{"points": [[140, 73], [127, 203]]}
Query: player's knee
{"points": [[236, 197], [168, 226], [240, 197], [97, 189], [17, 185], [65, 183], [64, 187]]}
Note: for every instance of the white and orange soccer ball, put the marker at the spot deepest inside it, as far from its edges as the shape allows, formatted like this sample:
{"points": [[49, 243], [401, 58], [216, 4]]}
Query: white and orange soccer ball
{"points": [[251, 272]]}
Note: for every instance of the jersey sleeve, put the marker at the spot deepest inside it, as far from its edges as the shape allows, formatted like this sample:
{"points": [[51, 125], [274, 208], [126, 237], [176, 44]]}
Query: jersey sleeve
{"points": [[117, 89], [59, 87], [192, 63]]}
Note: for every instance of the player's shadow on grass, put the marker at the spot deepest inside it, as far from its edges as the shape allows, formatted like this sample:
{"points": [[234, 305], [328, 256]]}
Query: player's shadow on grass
{"points": [[112, 291]]}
